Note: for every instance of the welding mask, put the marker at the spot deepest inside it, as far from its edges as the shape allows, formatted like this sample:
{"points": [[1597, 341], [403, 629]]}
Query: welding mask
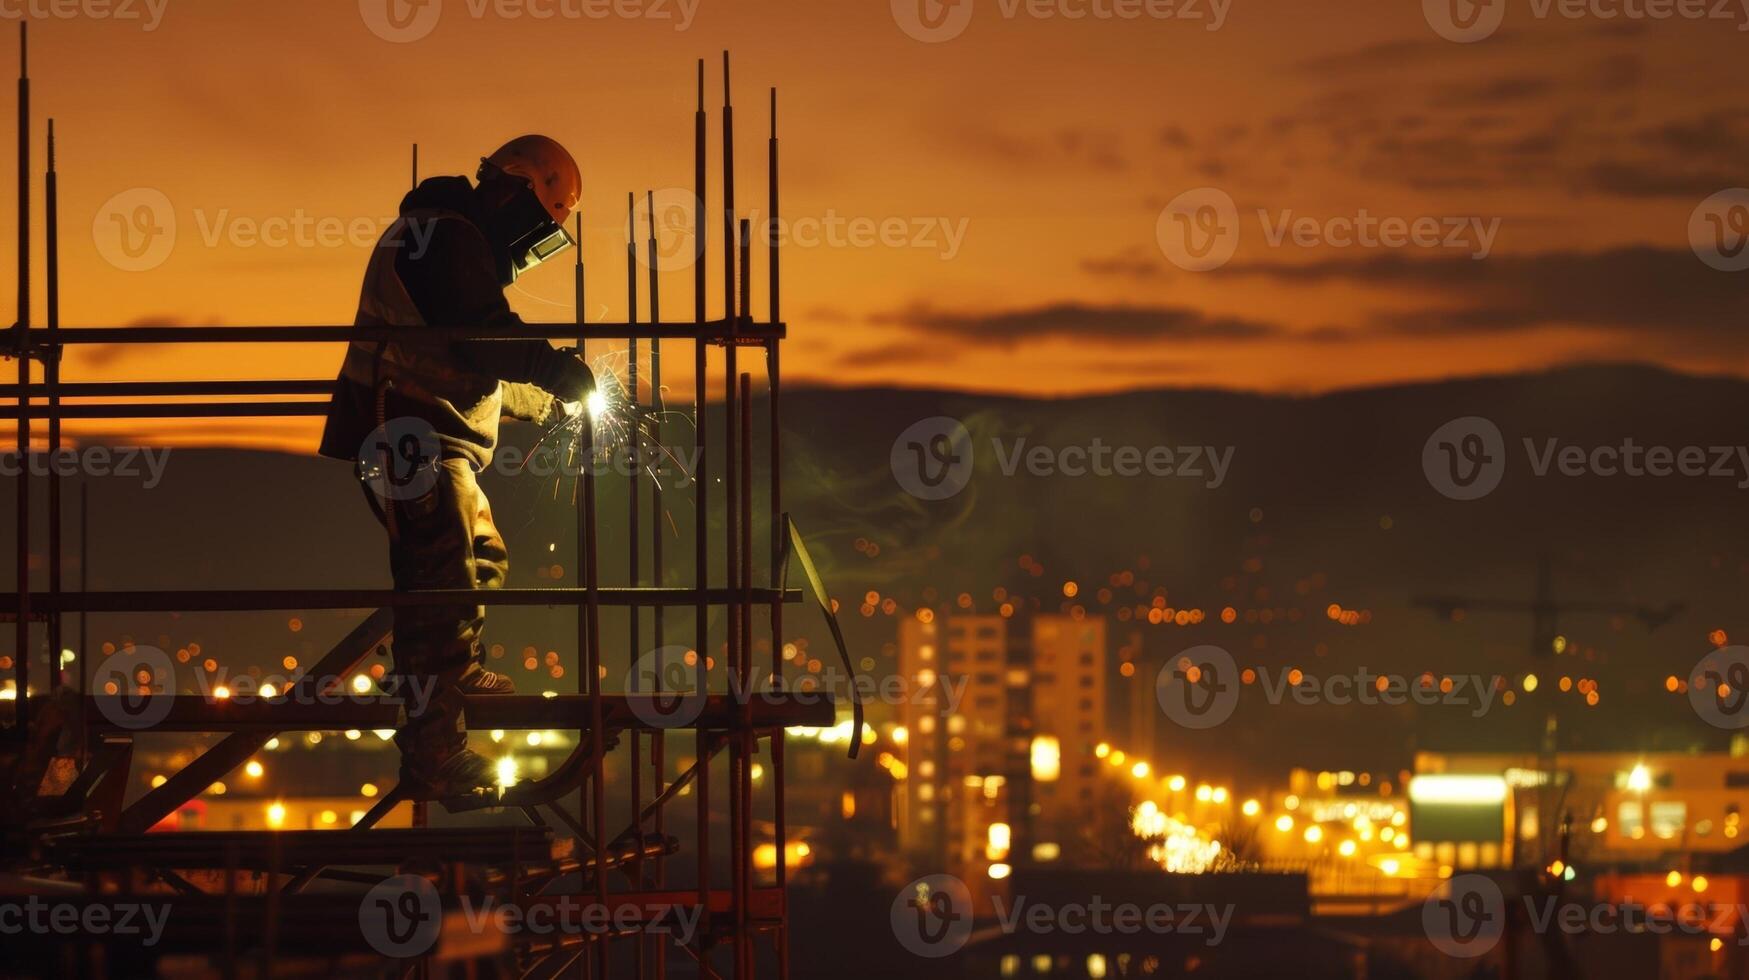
{"points": [[522, 229]]}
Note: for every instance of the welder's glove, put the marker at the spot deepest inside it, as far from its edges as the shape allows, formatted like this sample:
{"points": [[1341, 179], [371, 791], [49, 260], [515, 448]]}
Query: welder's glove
{"points": [[575, 382]]}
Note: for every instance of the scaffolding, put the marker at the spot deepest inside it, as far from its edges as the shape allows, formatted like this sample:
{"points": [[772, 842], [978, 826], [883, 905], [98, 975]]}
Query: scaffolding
{"points": [[85, 832]]}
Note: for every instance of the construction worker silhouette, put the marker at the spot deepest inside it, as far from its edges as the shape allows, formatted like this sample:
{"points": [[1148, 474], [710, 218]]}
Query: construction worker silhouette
{"points": [[419, 417]]}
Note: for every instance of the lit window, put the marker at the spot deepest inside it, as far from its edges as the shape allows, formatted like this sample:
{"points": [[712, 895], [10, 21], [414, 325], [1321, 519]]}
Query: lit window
{"points": [[1630, 818]]}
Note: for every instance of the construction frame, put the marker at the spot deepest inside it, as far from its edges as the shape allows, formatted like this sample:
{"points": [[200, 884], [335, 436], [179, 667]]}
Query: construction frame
{"points": [[77, 826]]}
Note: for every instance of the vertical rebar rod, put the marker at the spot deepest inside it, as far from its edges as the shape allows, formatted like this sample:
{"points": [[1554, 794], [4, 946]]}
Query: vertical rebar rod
{"points": [[771, 220], [738, 860], [634, 490], [415, 166], [744, 721], [577, 282], [749, 743], [52, 393], [84, 634], [590, 647], [658, 634], [579, 279], [701, 529], [21, 667], [775, 485]]}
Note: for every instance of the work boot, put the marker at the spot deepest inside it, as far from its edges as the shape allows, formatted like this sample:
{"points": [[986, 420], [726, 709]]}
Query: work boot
{"points": [[474, 679], [465, 777], [478, 680]]}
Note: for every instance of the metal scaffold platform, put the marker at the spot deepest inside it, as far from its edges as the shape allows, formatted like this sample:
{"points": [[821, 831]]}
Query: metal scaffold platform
{"points": [[593, 831]]}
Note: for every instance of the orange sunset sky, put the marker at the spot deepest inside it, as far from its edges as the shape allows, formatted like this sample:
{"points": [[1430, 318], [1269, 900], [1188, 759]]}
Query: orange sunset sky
{"points": [[1027, 160]]}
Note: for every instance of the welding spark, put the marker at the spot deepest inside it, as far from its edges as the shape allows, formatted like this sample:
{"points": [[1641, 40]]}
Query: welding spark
{"points": [[619, 422]]}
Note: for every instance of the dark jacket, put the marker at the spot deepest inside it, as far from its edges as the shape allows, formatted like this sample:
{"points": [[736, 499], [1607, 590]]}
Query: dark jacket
{"points": [[436, 267]]}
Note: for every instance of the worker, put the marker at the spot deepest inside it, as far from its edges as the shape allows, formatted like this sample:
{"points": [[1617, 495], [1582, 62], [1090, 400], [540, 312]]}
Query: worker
{"points": [[419, 416]]}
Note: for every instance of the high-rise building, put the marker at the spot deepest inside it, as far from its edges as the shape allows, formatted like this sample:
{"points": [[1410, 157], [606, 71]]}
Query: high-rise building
{"points": [[955, 718], [1068, 714], [1002, 717]]}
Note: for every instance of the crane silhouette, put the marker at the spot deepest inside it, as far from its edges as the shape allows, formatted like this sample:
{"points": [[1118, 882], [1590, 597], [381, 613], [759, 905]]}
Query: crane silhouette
{"points": [[1545, 639], [1546, 611]]}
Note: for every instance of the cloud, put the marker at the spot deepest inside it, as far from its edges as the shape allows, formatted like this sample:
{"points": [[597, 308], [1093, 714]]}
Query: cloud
{"points": [[890, 355], [1119, 323], [1665, 294], [1067, 148], [106, 355], [1135, 262]]}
